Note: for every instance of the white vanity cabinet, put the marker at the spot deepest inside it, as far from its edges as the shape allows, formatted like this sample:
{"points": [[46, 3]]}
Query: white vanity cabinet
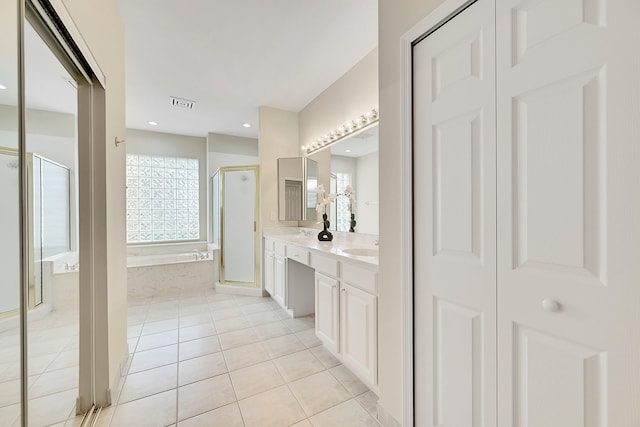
{"points": [[269, 260], [279, 274], [346, 314]]}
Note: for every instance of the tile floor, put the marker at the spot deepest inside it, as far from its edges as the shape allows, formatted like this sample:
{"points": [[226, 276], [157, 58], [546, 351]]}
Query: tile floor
{"points": [[53, 371], [205, 359]]}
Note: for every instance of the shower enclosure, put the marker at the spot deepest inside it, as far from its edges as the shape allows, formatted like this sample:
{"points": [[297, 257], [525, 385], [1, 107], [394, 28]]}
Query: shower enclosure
{"points": [[234, 196], [49, 224]]}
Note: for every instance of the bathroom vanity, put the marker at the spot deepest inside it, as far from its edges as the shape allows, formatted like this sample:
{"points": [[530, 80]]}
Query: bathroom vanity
{"points": [[335, 280]]}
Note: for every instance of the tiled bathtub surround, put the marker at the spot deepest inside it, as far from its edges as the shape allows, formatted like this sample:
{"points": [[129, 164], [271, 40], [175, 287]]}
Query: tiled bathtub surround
{"points": [[204, 359]]}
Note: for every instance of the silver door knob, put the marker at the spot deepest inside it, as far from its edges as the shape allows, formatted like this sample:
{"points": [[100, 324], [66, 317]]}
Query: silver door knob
{"points": [[550, 305]]}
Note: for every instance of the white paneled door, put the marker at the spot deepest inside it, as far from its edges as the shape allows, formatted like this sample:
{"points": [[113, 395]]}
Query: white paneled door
{"points": [[568, 109], [454, 222], [526, 216]]}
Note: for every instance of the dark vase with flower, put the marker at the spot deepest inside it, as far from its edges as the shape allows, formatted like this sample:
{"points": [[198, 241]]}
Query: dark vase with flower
{"points": [[352, 224], [325, 235]]}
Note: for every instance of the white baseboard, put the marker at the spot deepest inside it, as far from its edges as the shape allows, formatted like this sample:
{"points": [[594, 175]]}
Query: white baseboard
{"points": [[386, 419]]}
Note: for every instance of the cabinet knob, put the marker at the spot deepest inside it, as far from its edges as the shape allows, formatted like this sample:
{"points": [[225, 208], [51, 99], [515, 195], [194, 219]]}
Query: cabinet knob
{"points": [[550, 305]]}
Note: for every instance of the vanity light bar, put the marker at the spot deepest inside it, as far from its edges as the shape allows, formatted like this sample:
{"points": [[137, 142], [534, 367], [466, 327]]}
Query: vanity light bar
{"points": [[344, 130]]}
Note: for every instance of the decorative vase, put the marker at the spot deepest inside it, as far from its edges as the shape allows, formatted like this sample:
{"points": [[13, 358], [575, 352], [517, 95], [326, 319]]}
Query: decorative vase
{"points": [[325, 235], [352, 224]]}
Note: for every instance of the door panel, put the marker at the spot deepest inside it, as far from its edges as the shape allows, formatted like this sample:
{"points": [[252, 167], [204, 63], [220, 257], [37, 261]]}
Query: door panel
{"points": [[568, 133], [327, 311], [454, 227]]}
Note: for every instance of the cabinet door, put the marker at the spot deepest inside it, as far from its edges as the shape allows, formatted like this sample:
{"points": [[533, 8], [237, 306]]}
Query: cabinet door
{"points": [[455, 222], [279, 278], [268, 272], [358, 332], [327, 311]]}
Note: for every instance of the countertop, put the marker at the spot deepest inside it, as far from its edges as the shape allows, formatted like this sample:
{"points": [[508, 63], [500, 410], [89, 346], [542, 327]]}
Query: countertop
{"points": [[308, 238]]}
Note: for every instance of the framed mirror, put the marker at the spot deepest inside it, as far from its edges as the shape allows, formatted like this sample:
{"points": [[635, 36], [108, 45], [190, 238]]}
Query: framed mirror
{"points": [[354, 163], [297, 182]]}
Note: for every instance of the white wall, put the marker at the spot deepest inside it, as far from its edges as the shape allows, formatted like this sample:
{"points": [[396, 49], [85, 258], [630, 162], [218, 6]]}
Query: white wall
{"points": [[367, 194], [102, 30], [228, 150], [395, 19]]}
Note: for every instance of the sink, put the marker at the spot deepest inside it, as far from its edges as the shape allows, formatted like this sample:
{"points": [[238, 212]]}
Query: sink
{"points": [[361, 251]]}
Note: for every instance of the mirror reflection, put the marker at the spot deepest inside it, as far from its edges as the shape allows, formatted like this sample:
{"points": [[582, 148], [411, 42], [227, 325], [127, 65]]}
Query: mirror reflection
{"points": [[354, 176]]}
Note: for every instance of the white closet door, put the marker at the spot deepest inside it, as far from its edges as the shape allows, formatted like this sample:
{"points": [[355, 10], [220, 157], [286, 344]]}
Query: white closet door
{"points": [[454, 222], [568, 213]]}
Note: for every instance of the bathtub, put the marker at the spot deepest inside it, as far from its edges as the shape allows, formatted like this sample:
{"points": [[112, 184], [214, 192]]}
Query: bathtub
{"points": [[157, 270], [61, 281]]}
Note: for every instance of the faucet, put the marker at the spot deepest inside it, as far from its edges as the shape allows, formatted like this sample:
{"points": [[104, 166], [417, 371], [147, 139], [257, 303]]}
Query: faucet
{"points": [[199, 254]]}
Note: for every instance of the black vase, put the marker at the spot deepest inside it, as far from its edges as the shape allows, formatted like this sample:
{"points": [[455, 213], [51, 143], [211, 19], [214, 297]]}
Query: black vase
{"points": [[325, 235], [352, 224]]}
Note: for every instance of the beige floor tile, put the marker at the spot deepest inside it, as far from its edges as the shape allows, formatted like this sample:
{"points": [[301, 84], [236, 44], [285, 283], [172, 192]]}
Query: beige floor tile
{"points": [[204, 396], [263, 318], [298, 365], [134, 331], [281, 346], [196, 319], [162, 315], [309, 338], [38, 364], [218, 305], [10, 415], [200, 368], [244, 300], [271, 330], [149, 359], [241, 357], [227, 416], [256, 308], [53, 408], [349, 380], [237, 338], [149, 382], [199, 347], [273, 408], [55, 382], [10, 392], [232, 324], [226, 313], [256, 379], [132, 343], [303, 423], [161, 326], [194, 309], [147, 342], [349, 413], [106, 414], [300, 323], [325, 357], [152, 411], [319, 392], [196, 332], [369, 402]]}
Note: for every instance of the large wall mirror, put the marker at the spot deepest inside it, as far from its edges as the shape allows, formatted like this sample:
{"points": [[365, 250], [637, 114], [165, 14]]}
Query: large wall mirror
{"points": [[297, 182], [354, 163]]}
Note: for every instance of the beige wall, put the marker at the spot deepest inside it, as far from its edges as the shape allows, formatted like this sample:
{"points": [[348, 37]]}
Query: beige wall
{"points": [[395, 19], [352, 95], [278, 138], [102, 29]]}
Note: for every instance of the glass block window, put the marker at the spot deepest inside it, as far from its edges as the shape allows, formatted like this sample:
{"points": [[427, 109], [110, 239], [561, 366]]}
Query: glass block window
{"points": [[343, 214], [162, 199]]}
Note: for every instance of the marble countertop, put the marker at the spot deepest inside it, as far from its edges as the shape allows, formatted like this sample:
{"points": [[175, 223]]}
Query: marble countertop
{"points": [[308, 238]]}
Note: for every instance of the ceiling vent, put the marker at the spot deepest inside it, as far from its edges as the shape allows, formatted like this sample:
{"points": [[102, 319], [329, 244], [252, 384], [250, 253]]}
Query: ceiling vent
{"points": [[182, 103]]}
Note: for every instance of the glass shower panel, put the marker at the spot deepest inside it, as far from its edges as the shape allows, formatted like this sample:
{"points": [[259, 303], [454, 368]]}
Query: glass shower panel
{"points": [[10, 333], [54, 186]]}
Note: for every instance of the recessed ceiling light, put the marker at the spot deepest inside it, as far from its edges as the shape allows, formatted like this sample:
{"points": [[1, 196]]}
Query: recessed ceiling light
{"points": [[3, 87], [246, 125], [153, 123], [347, 151]]}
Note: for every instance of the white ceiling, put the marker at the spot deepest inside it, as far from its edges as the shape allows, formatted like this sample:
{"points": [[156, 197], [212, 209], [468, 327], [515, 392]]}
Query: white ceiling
{"points": [[232, 56]]}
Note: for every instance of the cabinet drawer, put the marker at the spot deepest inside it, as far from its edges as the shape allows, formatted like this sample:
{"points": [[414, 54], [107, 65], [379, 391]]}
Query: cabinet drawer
{"points": [[280, 248], [268, 244], [298, 254], [324, 265], [360, 277]]}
